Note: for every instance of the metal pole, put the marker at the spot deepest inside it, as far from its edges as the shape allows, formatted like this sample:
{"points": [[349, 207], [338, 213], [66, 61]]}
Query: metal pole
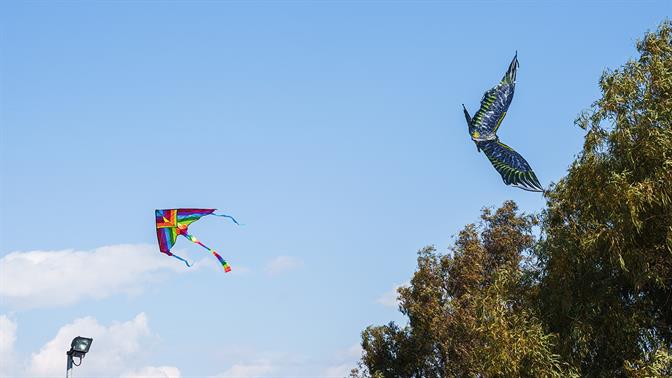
{"points": [[68, 371]]}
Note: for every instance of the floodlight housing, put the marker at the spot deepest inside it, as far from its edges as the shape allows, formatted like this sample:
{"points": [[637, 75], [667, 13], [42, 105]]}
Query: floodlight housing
{"points": [[80, 346]]}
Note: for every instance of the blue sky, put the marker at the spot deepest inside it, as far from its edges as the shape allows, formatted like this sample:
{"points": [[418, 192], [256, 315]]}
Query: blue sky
{"points": [[333, 130]]}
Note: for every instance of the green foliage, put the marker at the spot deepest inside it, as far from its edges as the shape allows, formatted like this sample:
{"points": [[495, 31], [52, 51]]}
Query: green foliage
{"points": [[655, 364], [468, 312], [595, 298], [606, 255]]}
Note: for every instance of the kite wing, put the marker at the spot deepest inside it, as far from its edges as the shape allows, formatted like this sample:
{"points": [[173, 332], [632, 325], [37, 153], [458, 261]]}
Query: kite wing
{"points": [[169, 222], [510, 165], [496, 101], [166, 229], [173, 222]]}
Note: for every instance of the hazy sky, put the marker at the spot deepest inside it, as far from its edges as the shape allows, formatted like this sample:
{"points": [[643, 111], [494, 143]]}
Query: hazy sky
{"points": [[333, 130]]}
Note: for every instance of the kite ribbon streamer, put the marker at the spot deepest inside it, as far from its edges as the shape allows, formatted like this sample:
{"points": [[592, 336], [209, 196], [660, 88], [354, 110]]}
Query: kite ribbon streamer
{"points": [[227, 216], [193, 239], [179, 258]]}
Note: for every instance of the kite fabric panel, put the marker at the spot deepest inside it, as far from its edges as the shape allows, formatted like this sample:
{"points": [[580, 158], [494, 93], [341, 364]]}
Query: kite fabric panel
{"points": [[173, 222], [496, 101], [514, 170]]}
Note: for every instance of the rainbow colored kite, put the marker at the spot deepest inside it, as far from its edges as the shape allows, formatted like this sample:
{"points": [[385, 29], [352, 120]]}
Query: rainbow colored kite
{"points": [[173, 222]]}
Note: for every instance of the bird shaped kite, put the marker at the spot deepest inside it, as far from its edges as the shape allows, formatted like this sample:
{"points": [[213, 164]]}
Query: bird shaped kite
{"points": [[483, 130], [173, 222]]}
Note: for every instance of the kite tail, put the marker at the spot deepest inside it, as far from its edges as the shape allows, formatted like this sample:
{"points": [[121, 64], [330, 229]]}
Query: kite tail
{"points": [[225, 265], [181, 259], [227, 216]]}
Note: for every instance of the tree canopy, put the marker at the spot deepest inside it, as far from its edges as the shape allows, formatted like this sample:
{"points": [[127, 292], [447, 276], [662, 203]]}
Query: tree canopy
{"points": [[591, 293], [467, 305], [606, 252]]}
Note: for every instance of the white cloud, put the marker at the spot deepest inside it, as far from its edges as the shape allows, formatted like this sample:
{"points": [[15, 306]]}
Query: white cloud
{"points": [[353, 351], [154, 372], [391, 298], [7, 340], [256, 369], [338, 371], [7, 334], [114, 348], [248, 362], [52, 278], [245, 361], [348, 358], [282, 264]]}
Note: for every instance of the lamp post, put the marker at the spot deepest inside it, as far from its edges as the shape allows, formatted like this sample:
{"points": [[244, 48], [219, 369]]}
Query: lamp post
{"points": [[78, 348]]}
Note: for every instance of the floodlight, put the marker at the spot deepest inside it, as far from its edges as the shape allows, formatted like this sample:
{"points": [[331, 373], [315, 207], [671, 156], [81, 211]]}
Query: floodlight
{"points": [[80, 345], [78, 348]]}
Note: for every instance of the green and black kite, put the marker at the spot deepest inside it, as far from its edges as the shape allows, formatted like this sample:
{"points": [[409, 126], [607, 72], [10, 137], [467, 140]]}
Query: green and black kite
{"points": [[483, 130]]}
